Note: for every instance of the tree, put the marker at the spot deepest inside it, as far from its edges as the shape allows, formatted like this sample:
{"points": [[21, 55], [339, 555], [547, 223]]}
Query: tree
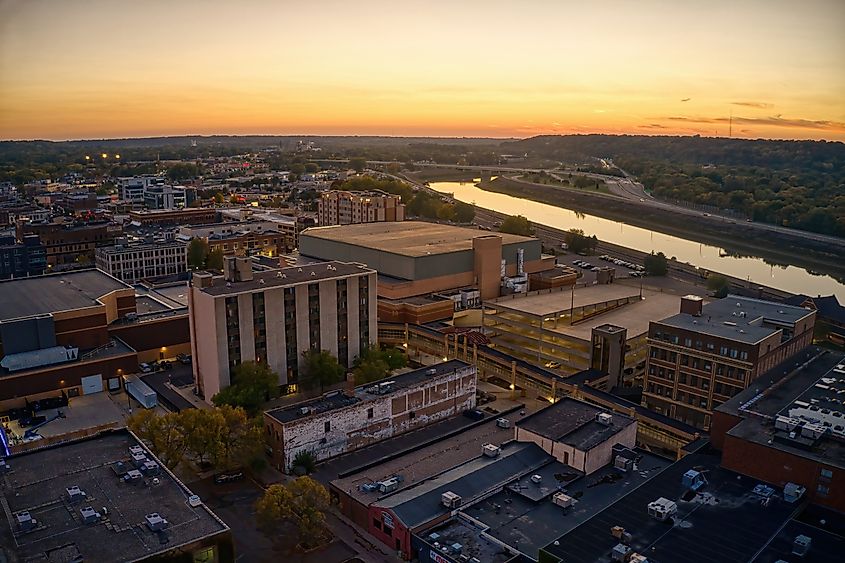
{"points": [[305, 461], [183, 171], [358, 163], [464, 212], [395, 358], [241, 438], [311, 168], [197, 252], [446, 212], [214, 260], [656, 264], [218, 198], [517, 225], [163, 434], [253, 384], [719, 285], [321, 370], [578, 242], [369, 370], [302, 502]]}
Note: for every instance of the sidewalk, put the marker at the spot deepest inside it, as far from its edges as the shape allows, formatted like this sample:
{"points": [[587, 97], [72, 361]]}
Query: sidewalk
{"points": [[368, 548]]}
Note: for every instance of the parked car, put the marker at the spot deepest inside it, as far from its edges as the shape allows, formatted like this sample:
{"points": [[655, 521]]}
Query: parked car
{"points": [[145, 368], [184, 359], [552, 365], [474, 414], [228, 477]]}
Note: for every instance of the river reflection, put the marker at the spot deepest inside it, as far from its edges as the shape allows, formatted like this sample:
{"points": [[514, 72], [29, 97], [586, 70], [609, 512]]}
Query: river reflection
{"points": [[713, 258]]}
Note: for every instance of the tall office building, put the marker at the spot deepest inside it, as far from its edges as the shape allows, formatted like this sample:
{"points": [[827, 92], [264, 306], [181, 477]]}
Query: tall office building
{"points": [[349, 208], [276, 316]]}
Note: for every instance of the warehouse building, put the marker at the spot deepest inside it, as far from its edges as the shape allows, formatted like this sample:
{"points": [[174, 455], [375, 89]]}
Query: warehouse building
{"points": [[342, 421], [416, 259]]}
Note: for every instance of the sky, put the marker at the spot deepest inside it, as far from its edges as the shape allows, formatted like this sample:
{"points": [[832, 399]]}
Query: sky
{"points": [[73, 69]]}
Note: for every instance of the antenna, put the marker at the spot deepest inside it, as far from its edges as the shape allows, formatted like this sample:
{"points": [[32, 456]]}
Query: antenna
{"points": [[731, 124]]}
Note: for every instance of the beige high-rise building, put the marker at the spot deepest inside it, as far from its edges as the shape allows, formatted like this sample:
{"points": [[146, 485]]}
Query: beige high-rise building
{"points": [[350, 208], [275, 316]]}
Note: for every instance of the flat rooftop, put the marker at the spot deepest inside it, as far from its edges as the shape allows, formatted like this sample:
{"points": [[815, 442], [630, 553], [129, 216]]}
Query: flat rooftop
{"points": [[633, 316], [423, 463], [38, 481], [740, 318], [528, 525], [338, 399], [820, 385], [287, 276], [408, 238], [574, 423], [724, 521], [468, 535], [39, 295]]}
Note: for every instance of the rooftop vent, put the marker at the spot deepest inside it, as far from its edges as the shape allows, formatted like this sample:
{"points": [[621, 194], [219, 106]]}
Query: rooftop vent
{"points": [[503, 423], [89, 515], [155, 522], [536, 479], [563, 500], [801, 545], [25, 521], [604, 418], [75, 494], [662, 509], [135, 450], [491, 450], [388, 485], [305, 410], [450, 500], [133, 476]]}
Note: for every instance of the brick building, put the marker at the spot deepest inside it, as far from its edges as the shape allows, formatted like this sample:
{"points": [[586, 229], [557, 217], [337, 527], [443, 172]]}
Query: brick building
{"points": [[348, 208], [706, 354], [65, 242], [342, 421]]}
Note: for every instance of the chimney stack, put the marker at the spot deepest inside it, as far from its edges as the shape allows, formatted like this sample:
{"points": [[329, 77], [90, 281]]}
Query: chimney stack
{"points": [[349, 388]]}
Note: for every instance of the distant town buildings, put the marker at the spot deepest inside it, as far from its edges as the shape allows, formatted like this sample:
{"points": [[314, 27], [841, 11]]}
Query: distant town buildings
{"points": [[244, 238], [18, 260], [349, 208], [67, 241], [131, 262], [275, 316], [707, 353]]}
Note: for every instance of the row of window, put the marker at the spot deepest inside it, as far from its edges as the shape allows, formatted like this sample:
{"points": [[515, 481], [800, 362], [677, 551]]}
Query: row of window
{"points": [[701, 345]]}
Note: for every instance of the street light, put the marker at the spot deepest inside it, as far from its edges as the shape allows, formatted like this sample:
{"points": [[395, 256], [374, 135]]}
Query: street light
{"points": [[105, 155]]}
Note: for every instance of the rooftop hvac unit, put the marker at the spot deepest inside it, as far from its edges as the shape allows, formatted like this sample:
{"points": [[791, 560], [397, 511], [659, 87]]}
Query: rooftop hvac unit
{"points": [[491, 450], [431, 371], [503, 423], [801, 545], [563, 500], [536, 479], [662, 509], [605, 418], [450, 500], [693, 480], [133, 476], [813, 431], [793, 492], [194, 501], [620, 553], [89, 515], [388, 485], [623, 463], [138, 459], [4, 467], [75, 494], [135, 450], [637, 558], [25, 521], [786, 423], [456, 548], [304, 410], [150, 468], [155, 522]]}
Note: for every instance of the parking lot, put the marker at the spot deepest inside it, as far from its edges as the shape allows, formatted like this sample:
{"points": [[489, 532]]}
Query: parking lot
{"points": [[590, 266]]}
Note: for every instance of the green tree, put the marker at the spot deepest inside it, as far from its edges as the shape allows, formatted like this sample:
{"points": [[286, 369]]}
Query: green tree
{"points": [[719, 285], [305, 462], [656, 264], [197, 252], [304, 503], [311, 168], [369, 370], [183, 171], [218, 198], [446, 212], [321, 370], [464, 212], [253, 384], [395, 358], [517, 225], [358, 163], [164, 435], [214, 260], [579, 243]]}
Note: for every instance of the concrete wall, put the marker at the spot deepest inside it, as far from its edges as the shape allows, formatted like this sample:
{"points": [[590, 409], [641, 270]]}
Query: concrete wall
{"points": [[602, 454]]}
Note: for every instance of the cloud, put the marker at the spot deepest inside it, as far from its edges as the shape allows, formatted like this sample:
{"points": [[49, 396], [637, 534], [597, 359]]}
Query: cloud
{"points": [[758, 105], [652, 126], [773, 121], [685, 99]]}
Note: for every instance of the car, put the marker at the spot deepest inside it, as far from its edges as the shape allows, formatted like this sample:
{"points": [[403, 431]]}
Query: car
{"points": [[595, 269], [165, 364], [184, 359], [474, 414], [576, 262], [145, 368], [705, 215], [552, 365], [229, 477]]}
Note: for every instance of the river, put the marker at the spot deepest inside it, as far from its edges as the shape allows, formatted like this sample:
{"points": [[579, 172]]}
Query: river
{"points": [[790, 278]]}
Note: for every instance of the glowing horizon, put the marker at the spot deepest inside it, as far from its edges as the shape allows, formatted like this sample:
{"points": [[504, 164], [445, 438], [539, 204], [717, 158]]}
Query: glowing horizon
{"points": [[114, 68]]}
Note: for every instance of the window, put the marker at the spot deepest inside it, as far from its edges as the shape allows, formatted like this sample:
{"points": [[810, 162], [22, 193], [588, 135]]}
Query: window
{"points": [[826, 473], [822, 490], [204, 555], [328, 425], [370, 412], [412, 415], [377, 523]]}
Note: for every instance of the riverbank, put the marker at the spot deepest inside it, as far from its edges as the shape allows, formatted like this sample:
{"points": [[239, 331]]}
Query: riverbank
{"points": [[737, 238]]}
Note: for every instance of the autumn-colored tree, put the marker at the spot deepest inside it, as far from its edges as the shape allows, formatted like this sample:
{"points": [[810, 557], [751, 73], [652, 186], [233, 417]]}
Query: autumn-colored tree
{"points": [[163, 434], [304, 503], [517, 225]]}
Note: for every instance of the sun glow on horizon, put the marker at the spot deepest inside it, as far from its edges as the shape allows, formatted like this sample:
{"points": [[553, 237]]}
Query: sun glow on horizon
{"points": [[98, 68]]}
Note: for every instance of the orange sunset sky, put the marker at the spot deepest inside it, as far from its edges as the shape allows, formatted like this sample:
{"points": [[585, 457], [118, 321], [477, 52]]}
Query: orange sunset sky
{"points": [[74, 69]]}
